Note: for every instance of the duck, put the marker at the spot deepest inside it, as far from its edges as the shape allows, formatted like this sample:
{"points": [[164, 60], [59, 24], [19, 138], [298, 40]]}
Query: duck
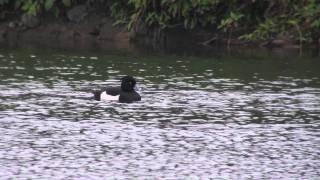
{"points": [[125, 93]]}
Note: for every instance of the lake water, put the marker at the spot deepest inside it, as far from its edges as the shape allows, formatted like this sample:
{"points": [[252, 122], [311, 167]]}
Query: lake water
{"points": [[219, 115]]}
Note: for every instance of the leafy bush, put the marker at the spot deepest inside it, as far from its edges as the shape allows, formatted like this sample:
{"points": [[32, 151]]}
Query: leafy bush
{"points": [[35, 7], [261, 19], [250, 20], [165, 13]]}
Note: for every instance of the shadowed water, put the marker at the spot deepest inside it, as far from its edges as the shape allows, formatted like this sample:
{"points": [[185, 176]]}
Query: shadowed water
{"points": [[215, 116]]}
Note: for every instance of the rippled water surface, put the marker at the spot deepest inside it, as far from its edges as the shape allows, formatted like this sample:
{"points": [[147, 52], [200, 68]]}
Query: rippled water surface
{"points": [[214, 116]]}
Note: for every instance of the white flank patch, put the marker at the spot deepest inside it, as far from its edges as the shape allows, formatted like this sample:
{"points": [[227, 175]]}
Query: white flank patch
{"points": [[106, 97]]}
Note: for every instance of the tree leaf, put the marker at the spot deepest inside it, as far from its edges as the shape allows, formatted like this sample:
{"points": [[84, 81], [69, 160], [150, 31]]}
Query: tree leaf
{"points": [[48, 4], [67, 3]]}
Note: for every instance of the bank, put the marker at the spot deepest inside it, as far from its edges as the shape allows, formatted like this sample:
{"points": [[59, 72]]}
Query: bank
{"points": [[85, 26]]}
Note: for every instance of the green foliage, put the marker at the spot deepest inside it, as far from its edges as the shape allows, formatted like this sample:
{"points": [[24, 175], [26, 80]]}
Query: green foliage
{"points": [[249, 20], [231, 21], [3, 2], [263, 31], [35, 7], [67, 3], [290, 18], [165, 13]]}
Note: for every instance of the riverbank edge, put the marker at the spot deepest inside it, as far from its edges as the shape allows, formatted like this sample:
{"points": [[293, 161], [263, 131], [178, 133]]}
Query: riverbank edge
{"points": [[98, 31]]}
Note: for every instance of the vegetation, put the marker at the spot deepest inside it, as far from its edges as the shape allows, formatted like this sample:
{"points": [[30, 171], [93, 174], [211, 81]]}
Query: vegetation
{"points": [[35, 7], [251, 20]]}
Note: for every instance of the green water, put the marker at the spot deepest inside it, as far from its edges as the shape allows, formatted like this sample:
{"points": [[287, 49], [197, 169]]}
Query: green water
{"points": [[208, 114]]}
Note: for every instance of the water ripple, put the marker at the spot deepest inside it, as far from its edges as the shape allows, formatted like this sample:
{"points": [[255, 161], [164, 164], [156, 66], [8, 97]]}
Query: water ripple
{"points": [[192, 123]]}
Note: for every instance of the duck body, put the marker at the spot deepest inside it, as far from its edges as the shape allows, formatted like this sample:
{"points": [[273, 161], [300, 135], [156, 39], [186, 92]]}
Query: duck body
{"points": [[124, 94], [104, 96], [116, 94]]}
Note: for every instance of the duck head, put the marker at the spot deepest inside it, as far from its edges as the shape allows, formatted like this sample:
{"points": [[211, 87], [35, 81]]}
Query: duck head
{"points": [[128, 83]]}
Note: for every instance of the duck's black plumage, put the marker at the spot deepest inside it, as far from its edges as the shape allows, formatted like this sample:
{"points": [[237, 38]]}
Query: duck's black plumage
{"points": [[125, 92]]}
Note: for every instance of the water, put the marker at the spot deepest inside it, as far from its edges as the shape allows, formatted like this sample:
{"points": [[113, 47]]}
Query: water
{"points": [[214, 116]]}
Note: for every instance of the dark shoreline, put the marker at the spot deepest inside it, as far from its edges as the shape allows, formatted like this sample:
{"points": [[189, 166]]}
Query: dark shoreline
{"points": [[97, 32], [94, 30]]}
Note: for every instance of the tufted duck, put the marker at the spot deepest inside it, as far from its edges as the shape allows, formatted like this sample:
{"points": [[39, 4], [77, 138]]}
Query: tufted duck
{"points": [[125, 93]]}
